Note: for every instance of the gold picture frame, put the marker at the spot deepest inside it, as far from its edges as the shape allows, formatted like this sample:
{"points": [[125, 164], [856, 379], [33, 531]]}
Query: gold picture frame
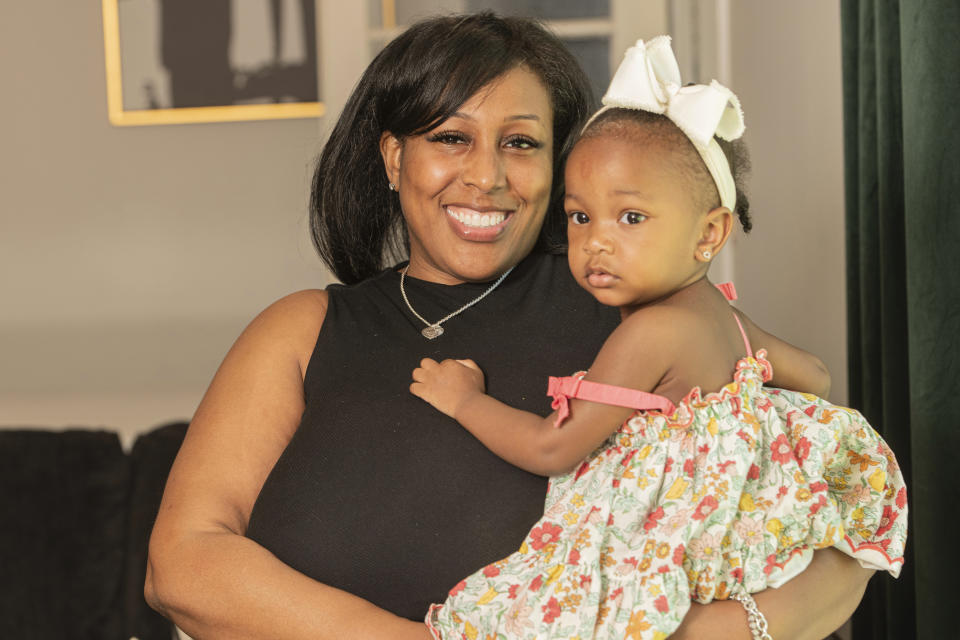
{"points": [[121, 116]]}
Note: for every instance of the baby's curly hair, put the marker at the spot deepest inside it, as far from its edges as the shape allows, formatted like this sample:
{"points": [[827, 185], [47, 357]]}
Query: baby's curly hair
{"points": [[645, 126]]}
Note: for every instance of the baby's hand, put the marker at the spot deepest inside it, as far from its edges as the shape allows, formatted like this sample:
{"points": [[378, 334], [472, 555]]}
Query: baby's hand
{"points": [[448, 384]]}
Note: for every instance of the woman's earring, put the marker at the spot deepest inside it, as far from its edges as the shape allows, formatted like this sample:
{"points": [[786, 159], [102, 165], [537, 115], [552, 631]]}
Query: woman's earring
{"points": [[393, 187], [707, 254]]}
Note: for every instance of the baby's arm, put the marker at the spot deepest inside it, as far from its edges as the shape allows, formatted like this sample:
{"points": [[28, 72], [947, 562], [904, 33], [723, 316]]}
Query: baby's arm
{"points": [[523, 439], [793, 368], [529, 441]]}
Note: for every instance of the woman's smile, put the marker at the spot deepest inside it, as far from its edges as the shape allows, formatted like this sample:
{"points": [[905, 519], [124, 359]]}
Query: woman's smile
{"points": [[478, 224]]}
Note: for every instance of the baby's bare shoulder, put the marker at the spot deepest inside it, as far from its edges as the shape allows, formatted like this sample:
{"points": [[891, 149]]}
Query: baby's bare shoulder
{"points": [[661, 321]]}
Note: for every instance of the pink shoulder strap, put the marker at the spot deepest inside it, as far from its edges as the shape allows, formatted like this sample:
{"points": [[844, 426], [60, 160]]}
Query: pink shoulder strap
{"points": [[561, 389], [730, 293]]}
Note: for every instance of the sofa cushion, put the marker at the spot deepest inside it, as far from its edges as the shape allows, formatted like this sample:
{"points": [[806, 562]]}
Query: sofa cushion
{"points": [[63, 509]]}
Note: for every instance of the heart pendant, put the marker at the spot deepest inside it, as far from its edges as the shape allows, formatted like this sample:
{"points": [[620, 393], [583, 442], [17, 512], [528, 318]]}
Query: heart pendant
{"points": [[432, 331]]}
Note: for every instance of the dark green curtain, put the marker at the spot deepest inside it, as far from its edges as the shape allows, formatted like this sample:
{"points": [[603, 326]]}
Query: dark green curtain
{"points": [[901, 77]]}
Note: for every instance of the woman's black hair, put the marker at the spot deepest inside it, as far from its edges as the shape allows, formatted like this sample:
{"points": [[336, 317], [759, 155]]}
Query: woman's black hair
{"points": [[658, 126], [420, 79]]}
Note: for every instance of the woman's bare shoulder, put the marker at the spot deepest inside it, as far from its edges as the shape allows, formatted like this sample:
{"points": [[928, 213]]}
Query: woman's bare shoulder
{"points": [[291, 324], [305, 308], [246, 418]]}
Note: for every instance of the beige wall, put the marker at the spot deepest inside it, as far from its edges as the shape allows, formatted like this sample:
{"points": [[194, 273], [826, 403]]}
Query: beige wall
{"points": [[790, 269], [130, 258]]}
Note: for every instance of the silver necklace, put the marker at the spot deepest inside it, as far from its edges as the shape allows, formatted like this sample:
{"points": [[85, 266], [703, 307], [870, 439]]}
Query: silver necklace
{"points": [[433, 330]]}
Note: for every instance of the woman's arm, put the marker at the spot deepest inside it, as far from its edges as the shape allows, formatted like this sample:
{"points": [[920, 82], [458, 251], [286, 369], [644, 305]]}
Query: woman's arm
{"points": [[811, 606], [793, 368], [202, 572]]}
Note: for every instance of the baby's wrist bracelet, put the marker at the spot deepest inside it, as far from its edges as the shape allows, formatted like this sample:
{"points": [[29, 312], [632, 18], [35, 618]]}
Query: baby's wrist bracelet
{"points": [[756, 620]]}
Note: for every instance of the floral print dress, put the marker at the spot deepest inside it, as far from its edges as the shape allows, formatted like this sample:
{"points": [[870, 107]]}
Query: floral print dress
{"points": [[727, 492]]}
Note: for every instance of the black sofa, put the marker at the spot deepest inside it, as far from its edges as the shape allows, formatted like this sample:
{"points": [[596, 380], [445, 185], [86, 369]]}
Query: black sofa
{"points": [[76, 512]]}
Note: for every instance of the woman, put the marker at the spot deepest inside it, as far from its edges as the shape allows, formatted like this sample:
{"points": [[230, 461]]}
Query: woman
{"points": [[314, 497]]}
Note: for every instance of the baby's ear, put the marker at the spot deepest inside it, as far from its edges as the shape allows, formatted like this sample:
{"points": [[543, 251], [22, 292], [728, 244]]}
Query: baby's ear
{"points": [[715, 229]]}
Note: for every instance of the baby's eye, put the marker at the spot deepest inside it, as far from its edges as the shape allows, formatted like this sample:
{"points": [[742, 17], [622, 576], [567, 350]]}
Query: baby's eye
{"points": [[578, 217], [447, 137], [632, 217], [522, 142]]}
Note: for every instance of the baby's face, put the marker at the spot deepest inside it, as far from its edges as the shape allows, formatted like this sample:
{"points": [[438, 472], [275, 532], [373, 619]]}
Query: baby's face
{"points": [[632, 221]]}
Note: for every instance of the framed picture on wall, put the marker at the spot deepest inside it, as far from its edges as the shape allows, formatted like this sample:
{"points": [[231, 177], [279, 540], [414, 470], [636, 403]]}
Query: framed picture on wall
{"points": [[180, 61]]}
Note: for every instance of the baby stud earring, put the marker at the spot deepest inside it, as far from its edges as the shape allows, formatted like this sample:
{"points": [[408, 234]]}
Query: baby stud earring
{"points": [[706, 255], [392, 187]]}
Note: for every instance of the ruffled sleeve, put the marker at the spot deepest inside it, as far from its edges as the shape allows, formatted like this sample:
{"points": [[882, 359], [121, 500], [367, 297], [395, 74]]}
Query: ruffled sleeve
{"points": [[761, 358]]}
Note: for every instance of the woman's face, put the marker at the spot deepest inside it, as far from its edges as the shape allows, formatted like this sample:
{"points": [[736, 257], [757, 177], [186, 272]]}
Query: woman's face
{"points": [[475, 189]]}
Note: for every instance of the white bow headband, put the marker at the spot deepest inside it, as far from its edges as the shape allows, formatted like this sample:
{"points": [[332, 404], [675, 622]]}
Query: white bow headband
{"points": [[648, 79]]}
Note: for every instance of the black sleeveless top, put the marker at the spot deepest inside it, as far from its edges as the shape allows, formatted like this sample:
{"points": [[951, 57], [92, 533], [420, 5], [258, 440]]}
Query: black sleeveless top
{"points": [[383, 496]]}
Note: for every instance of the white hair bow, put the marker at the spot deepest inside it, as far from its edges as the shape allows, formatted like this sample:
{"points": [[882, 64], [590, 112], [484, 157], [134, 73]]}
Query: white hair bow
{"points": [[648, 79]]}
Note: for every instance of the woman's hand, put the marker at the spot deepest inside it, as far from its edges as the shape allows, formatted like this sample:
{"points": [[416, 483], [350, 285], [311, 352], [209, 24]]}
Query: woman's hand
{"points": [[447, 385], [809, 607]]}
